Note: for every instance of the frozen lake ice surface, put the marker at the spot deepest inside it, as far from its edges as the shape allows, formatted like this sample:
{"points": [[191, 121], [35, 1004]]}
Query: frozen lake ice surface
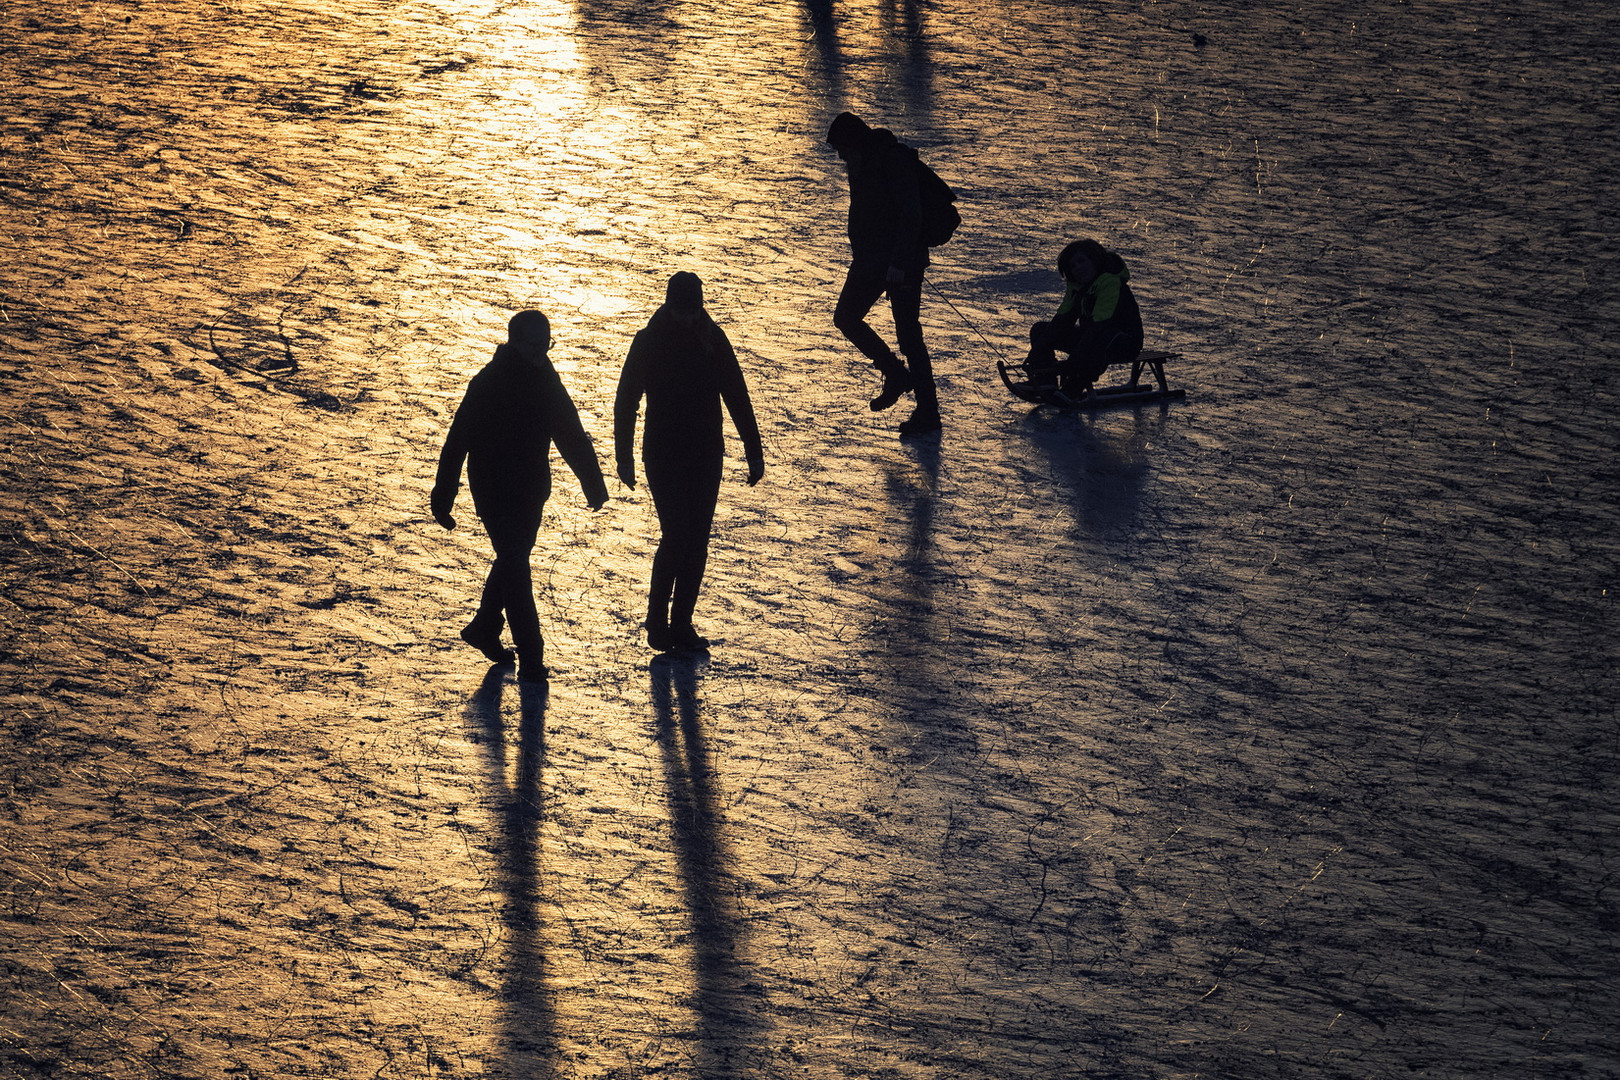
{"points": [[1271, 733]]}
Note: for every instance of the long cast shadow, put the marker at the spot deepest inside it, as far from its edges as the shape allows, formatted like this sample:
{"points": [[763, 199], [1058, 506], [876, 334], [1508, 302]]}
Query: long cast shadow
{"points": [[1104, 477], [914, 641], [823, 33], [908, 63], [728, 1007], [527, 1011], [633, 41], [911, 64]]}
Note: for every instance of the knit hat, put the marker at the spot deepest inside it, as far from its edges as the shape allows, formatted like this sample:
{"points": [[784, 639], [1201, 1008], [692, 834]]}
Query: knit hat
{"points": [[847, 130], [685, 291]]}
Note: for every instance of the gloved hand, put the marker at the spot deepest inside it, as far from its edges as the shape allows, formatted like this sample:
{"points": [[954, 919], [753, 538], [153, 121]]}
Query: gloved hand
{"points": [[440, 502]]}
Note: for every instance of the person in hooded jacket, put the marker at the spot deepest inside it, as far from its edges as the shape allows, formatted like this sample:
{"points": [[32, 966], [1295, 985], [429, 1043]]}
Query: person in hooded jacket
{"points": [[685, 367], [1097, 324], [512, 412], [887, 255]]}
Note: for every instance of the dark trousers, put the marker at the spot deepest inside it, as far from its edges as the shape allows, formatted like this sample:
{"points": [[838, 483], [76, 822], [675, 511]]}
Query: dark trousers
{"points": [[684, 495], [860, 294], [509, 591], [1089, 352]]}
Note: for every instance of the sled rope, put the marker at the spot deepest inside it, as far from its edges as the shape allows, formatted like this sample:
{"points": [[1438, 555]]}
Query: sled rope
{"points": [[968, 323]]}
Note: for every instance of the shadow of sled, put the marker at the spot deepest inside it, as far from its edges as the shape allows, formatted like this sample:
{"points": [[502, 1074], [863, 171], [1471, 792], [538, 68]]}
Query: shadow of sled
{"points": [[1039, 387]]}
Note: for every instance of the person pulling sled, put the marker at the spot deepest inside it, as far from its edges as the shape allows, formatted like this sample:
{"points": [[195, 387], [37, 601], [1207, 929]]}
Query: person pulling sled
{"points": [[898, 209]]}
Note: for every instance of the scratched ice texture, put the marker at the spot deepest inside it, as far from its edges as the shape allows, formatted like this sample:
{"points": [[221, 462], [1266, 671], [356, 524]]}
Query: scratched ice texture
{"points": [[1271, 734]]}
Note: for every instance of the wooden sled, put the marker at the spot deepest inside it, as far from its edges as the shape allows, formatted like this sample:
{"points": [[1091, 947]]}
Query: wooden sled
{"points": [[1020, 382]]}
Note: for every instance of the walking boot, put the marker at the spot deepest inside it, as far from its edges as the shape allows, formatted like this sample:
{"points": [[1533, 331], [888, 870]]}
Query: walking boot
{"points": [[488, 642], [659, 637], [923, 421], [532, 669], [687, 638], [896, 381]]}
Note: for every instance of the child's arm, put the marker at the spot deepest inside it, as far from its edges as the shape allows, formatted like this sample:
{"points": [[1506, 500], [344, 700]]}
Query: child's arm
{"points": [[1068, 311]]}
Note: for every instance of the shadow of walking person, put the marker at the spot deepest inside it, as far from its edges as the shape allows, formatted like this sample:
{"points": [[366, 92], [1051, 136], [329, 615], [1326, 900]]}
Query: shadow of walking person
{"points": [[822, 25], [916, 642], [729, 1007], [528, 1010], [910, 61], [915, 492], [900, 45]]}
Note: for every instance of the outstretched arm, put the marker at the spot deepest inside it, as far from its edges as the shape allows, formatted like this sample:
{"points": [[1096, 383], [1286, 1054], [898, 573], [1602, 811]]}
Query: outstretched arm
{"points": [[626, 405], [734, 392], [575, 445]]}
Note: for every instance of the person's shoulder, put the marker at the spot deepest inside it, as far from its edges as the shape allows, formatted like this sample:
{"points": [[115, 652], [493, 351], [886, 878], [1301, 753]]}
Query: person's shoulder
{"points": [[640, 343], [890, 149], [494, 367], [483, 378]]}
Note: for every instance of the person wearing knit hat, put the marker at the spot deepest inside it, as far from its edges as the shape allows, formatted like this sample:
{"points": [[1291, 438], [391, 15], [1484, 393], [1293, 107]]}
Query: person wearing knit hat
{"points": [[887, 256], [685, 367], [512, 412]]}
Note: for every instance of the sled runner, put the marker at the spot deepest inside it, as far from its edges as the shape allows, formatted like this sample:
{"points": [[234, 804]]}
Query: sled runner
{"points": [[1041, 387]]}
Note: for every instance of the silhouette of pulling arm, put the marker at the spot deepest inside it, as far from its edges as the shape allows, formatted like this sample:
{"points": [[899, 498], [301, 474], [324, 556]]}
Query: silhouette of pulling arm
{"points": [[685, 367], [512, 412]]}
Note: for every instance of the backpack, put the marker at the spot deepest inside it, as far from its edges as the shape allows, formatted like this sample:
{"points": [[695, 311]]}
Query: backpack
{"points": [[939, 217]]}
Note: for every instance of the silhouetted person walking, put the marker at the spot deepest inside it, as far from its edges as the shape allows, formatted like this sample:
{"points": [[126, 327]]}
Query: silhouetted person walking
{"points": [[684, 365], [888, 254], [514, 409]]}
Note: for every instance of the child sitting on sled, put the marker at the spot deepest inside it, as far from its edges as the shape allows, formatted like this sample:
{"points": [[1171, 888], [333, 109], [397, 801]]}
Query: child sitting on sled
{"points": [[1097, 324]]}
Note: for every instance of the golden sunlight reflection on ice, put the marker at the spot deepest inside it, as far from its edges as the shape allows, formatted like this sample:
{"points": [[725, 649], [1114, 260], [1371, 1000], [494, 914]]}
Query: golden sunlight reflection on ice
{"points": [[1006, 753]]}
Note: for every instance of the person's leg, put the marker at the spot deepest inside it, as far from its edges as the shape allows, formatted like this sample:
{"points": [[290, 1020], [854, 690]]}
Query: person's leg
{"points": [[659, 589], [1042, 347], [1094, 354], [905, 302], [513, 541], [684, 499], [861, 291], [696, 526], [484, 632]]}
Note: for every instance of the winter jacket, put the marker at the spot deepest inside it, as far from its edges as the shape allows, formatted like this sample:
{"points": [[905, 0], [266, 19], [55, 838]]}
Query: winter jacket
{"points": [[685, 373], [885, 208], [512, 412], [1103, 309]]}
